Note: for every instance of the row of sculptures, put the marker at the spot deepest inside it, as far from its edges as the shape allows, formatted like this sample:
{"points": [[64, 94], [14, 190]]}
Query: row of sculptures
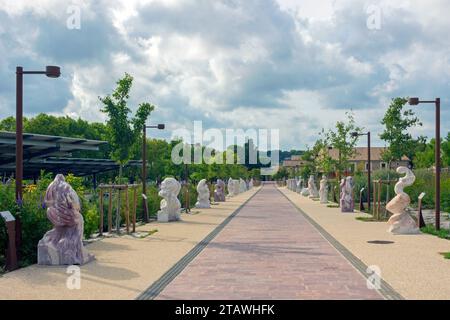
{"points": [[170, 208], [63, 245], [400, 221]]}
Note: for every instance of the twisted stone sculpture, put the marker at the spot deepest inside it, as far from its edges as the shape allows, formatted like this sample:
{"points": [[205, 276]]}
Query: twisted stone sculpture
{"points": [[219, 192], [347, 202], [242, 185], [63, 245], [401, 222], [170, 207], [203, 195]]}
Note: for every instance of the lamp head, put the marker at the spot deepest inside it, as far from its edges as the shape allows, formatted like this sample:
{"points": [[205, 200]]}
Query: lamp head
{"points": [[413, 101], [161, 126], [354, 134], [52, 71]]}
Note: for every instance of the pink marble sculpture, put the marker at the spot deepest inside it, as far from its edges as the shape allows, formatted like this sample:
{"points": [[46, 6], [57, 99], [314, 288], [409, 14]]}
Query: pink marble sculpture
{"points": [[219, 192], [347, 202], [63, 245], [401, 222]]}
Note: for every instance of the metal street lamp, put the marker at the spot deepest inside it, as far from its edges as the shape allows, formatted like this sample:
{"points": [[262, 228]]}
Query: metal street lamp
{"points": [[369, 169], [437, 154], [51, 72], [144, 164]]}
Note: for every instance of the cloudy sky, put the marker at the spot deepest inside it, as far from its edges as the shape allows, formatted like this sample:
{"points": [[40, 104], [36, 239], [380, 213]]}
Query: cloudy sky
{"points": [[293, 65]]}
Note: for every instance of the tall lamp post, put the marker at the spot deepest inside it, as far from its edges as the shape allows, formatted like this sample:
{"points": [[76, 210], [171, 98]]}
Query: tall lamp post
{"points": [[437, 154], [144, 164], [369, 169], [51, 72]]}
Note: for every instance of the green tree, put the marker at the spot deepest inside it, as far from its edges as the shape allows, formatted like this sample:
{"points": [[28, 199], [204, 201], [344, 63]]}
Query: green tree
{"points": [[397, 121], [123, 132], [343, 140]]}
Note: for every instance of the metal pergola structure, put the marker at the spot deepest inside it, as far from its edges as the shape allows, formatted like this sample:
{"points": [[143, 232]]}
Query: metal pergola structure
{"points": [[51, 154]]}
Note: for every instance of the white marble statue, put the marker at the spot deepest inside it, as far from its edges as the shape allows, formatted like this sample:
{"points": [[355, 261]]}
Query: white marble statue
{"points": [[401, 222], [203, 195], [313, 193], [299, 186], [242, 185], [230, 188], [323, 191], [250, 184], [347, 202], [305, 192], [170, 207]]}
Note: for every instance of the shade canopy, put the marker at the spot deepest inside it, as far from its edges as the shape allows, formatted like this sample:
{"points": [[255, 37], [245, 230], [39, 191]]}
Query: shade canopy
{"points": [[52, 154]]}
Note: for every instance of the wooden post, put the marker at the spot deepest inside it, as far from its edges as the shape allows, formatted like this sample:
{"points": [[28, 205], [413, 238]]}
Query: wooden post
{"points": [[110, 210], [134, 208], [379, 200], [374, 208], [11, 251], [118, 213], [101, 211], [127, 209]]}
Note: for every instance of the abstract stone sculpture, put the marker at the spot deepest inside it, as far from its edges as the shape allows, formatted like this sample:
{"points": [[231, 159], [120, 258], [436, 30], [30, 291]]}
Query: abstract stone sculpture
{"points": [[250, 184], [203, 195], [313, 193], [242, 185], [219, 192], [305, 192], [170, 207], [230, 187], [346, 201], [401, 222], [323, 191], [63, 245]]}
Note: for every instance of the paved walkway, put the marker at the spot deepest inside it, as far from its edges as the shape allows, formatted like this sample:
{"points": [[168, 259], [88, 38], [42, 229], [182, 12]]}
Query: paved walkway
{"points": [[411, 264], [269, 251], [124, 266]]}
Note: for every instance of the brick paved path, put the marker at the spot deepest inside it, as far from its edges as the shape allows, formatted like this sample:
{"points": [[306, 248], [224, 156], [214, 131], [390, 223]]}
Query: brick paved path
{"points": [[269, 251]]}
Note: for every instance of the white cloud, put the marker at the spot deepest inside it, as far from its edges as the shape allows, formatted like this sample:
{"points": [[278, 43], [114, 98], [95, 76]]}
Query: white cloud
{"points": [[293, 65]]}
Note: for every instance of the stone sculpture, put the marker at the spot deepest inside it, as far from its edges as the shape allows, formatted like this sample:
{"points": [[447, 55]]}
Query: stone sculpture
{"points": [[63, 245], [219, 192], [250, 184], [313, 193], [230, 188], [346, 201], [323, 191], [401, 222], [299, 186], [305, 192], [203, 195], [242, 185], [170, 207]]}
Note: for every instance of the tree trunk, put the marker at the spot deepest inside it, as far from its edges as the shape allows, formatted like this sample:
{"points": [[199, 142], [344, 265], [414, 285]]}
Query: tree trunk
{"points": [[118, 202]]}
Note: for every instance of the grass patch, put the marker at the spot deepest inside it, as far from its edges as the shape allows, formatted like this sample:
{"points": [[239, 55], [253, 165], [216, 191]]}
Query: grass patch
{"points": [[145, 234], [446, 255], [370, 219], [332, 206], [443, 233]]}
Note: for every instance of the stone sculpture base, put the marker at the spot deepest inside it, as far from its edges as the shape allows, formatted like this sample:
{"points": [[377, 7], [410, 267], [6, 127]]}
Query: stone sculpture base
{"points": [[403, 224], [50, 255], [305, 192], [203, 205], [166, 217]]}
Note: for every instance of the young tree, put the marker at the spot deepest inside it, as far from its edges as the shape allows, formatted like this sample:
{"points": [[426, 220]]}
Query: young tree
{"points": [[397, 121], [343, 140], [123, 132]]}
